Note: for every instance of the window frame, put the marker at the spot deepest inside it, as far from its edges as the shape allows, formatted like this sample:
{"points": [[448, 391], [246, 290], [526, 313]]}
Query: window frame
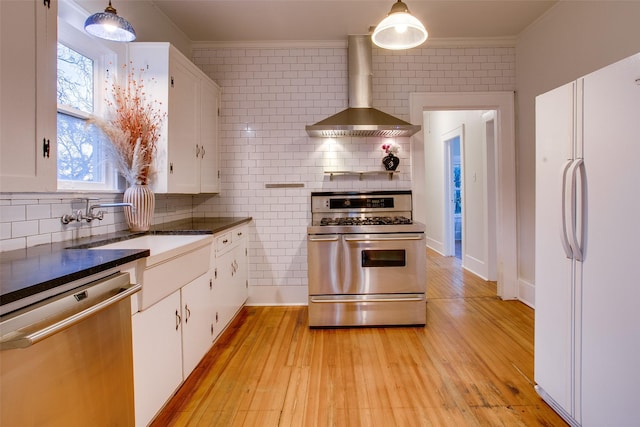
{"points": [[105, 66]]}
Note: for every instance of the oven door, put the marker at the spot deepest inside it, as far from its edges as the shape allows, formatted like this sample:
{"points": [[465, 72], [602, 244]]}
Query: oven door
{"points": [[384, 263]]}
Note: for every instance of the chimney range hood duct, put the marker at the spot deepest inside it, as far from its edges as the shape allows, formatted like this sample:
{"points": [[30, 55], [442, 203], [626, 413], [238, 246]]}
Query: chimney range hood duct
{"points": [[360, 119]]}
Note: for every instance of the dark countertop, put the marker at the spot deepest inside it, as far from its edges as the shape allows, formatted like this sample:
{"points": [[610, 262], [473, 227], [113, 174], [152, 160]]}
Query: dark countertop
{"points": [[30, 271]]}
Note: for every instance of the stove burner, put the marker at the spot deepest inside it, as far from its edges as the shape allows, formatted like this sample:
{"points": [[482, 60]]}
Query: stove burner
{"points": [[376, 220]]}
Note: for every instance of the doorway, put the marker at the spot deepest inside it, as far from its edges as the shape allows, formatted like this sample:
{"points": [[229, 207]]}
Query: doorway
{"points": [[503, 124], [453, 203]]}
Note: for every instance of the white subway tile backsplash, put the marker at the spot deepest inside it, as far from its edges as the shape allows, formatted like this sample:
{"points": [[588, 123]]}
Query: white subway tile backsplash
{"points": [[12, 213], [39, 211], [24, 228]]}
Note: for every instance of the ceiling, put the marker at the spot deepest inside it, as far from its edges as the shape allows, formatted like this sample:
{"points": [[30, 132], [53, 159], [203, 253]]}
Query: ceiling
{"points": [[327, 20]]}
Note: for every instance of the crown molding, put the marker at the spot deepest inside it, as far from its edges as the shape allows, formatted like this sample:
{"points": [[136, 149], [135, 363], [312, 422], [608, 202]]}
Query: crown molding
{"points": [[432, 42]]}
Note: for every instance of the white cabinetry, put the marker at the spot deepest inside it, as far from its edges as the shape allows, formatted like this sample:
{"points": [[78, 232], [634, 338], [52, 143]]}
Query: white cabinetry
{"points": [[188, 139], [186, 302], [157, 356], [197, 309], [208, 166], [230, 275], [28, 37]]}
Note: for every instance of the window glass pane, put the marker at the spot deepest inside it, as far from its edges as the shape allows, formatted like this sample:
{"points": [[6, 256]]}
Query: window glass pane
{"points": [[75, 79], [79, 153]]}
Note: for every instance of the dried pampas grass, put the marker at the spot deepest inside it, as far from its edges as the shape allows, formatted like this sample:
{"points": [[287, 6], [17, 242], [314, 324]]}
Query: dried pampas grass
{"points": [[132, 129]]}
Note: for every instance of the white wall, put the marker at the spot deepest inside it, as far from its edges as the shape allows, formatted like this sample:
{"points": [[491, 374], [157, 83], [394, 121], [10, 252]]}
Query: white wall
{"points": [[270, 94], [436, 124], [573, 39]]}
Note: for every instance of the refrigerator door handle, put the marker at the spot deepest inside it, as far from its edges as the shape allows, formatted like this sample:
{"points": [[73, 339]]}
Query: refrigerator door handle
{"points": [[564, 235], [577, 165], [580, 211]]}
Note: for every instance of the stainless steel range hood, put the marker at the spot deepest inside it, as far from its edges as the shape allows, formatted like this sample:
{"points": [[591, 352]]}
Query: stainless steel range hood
{"points": [[361, 119]]}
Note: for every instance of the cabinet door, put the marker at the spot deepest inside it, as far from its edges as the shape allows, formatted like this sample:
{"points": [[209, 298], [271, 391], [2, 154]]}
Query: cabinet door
{"points": [[183, 129], [209, 176], [240, 274], [217, 305], [224, 287], [28, 38], [157, 356], [197, 308]]}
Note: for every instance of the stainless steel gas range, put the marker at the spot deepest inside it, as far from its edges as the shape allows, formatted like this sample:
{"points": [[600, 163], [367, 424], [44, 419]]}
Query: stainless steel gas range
{"points": [[366, 260]]}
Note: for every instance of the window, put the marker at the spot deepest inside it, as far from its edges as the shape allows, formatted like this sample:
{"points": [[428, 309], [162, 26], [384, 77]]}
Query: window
{"points": [[79, 145], [81, 74]]}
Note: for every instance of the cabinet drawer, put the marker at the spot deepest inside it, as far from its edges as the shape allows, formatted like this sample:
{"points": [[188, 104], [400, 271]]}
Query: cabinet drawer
{"points": [[224, 242], [230, 239]]}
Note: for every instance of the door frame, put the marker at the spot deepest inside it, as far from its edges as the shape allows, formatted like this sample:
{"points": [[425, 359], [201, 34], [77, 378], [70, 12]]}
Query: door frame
{"points": [[449, 223], [503, 104]]}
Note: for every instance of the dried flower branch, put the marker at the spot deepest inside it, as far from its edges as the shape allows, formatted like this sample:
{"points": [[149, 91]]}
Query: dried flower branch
{"points": [[132, 129]]}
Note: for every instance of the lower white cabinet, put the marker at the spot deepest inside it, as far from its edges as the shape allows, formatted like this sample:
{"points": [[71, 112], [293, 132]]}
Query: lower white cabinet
{"points": [[172, 336], [230, 274], [197, 322], [157, 356]]}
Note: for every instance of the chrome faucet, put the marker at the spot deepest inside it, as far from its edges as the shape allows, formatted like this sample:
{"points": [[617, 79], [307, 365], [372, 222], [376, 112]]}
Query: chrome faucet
{"points": [[88, 214], [100, 214]]}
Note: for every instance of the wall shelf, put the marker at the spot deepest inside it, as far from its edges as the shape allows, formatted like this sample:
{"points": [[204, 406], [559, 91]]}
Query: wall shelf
{"points": [[361, 174]]}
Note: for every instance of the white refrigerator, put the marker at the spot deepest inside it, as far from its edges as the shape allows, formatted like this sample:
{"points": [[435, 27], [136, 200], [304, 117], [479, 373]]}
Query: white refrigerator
{"points": [[587, 274]]}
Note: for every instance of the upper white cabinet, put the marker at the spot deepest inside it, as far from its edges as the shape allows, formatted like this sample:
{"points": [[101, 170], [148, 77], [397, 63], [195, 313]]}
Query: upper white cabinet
{"points": [[28, 38], [186, 160], [209, 107]]}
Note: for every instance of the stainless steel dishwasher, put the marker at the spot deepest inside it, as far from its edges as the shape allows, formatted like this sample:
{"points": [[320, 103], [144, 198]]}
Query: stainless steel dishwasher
{"points": [[67, 361]]}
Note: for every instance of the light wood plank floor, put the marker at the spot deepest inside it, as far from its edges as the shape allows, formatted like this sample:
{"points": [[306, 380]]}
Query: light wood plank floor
{"points": [[472, 365]]}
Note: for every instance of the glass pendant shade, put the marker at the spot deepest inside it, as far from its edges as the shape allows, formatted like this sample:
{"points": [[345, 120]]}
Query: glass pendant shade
{"points": [[399, 30], [109, 26]]}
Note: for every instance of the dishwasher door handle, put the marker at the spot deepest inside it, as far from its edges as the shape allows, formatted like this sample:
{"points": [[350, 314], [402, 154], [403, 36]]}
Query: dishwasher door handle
{"points": [[26, 337]]}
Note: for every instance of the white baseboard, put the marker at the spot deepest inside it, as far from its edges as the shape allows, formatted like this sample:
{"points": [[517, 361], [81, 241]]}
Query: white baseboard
{"points": [[278, 295], [526, 293], [435, 245], [475, 266]]}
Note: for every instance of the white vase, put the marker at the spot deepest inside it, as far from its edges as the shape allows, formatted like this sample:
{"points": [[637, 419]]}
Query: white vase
{"points": [[144, 202]]}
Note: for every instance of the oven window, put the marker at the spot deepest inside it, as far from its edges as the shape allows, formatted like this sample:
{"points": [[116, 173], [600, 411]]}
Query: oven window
{"points": [[384, 258]]}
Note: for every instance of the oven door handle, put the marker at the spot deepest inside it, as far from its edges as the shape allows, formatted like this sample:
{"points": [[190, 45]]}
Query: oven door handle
{"points": [[384, 239], [365, 299], [324, 238]]}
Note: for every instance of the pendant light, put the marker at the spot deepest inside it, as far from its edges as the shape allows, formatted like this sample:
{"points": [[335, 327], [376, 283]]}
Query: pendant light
{"points": [[109, 26], [399, 30]]}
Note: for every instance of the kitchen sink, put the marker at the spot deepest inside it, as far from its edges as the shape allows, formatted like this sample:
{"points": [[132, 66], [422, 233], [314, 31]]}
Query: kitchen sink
{"points": [[174, 261], [158, 243]]}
